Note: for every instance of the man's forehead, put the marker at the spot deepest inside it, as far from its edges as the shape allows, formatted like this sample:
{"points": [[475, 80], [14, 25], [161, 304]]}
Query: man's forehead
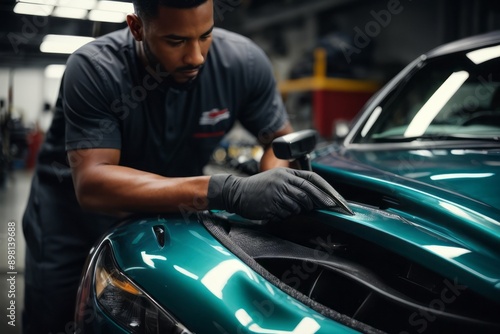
{"points": [[189, 21]]}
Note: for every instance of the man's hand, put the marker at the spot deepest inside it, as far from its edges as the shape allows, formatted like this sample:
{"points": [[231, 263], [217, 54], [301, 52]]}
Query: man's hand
{"points": [[272, 195]]}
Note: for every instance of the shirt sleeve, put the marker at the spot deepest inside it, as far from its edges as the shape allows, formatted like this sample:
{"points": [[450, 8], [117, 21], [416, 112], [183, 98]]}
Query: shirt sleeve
{"points": [[87, 105], [264, 113]]}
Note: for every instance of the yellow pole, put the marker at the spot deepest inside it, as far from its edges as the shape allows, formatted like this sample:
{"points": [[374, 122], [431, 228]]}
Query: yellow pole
{"points": [[319, 63]]}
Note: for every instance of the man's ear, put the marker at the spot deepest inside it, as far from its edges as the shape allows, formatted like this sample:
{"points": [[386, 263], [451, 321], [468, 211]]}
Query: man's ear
{"points": [[135, 25]]}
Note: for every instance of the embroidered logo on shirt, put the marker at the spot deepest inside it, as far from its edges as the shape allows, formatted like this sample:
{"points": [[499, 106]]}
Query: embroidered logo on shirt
{"points": [[214, 116]]}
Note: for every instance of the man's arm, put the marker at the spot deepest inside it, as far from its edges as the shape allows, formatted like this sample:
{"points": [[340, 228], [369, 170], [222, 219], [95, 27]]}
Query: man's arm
{"points": [[268, 159], [101, 185], [104, 186]]}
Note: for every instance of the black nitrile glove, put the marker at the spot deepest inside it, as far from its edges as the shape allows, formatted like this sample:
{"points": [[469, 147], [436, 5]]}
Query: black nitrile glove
{"points": [[272, 195]]}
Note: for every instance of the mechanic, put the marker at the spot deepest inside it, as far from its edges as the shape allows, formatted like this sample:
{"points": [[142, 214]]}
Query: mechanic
{"points": [[138, 114]]}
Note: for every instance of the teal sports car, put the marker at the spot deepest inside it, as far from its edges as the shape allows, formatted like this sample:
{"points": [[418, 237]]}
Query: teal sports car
{"points": [[420, 170]]}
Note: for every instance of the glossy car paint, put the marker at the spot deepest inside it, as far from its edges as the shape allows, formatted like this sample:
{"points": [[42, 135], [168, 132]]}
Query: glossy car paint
{"points": [[450, 233], [468, 172], [206, 287]]}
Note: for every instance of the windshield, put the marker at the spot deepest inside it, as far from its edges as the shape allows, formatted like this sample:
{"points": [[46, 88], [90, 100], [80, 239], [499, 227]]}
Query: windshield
{"points": [[450, 97]]}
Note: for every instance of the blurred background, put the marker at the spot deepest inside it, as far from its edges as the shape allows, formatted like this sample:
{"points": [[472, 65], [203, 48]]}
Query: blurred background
{"points": [[328, 56]]}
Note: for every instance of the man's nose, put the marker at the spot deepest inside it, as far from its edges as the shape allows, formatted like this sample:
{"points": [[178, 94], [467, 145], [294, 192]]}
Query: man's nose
{"points": [[193, 55]]}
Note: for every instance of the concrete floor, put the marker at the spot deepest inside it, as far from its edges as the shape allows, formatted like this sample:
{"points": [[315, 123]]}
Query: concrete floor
{"points": [[13, 197]]}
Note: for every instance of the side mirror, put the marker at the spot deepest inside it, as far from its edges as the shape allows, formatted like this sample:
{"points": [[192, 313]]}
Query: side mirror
{"points": [[296, 146]]}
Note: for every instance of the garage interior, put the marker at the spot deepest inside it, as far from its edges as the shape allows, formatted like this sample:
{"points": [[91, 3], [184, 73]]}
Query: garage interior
{"points": [[358, 45]]}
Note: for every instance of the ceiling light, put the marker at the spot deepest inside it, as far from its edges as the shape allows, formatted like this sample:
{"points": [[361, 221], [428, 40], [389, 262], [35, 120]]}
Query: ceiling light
{"points": [[116, 6], [54, 71], [82, 4], [40, 2], [72, 13], [33, 9], [106, 16], [63, 43]]}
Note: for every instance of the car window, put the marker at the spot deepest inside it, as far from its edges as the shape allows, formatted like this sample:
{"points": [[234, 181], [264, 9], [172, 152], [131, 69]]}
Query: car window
{"points": [[448, 97]]}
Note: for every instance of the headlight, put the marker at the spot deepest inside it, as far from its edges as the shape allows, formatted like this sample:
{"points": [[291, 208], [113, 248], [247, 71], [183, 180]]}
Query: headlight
{"points": [[126, 303]]}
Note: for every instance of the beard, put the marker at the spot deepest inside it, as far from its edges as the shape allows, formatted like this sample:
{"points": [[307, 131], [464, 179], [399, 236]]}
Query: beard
{"points": [[169, 80], [150, 57]]}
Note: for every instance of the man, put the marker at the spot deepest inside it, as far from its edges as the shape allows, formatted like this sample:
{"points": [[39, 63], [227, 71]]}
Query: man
{"points": [[139, 112]]}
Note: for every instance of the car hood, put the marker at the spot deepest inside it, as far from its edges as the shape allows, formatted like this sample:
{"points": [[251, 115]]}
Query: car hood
{"points": [[469, 172], [451, 190], [447, 192]]}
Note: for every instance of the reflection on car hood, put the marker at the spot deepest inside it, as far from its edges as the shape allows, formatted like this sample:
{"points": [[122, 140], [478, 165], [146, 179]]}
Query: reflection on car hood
{"points": [[471, 173]]}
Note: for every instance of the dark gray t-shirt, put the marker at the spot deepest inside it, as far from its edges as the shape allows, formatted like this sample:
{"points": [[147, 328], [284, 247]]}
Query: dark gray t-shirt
{"points": [[110, 103], [108, 100]]}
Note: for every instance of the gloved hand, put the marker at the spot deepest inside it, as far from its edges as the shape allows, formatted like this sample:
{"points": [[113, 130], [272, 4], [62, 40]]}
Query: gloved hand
{"points": [[272, 195]]}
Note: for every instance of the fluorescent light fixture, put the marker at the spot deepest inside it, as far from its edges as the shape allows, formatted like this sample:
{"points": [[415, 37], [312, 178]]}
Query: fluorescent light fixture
{"points": [[54, 71], [63, 43], [485, 54], [115, 6], [40, 2], [33, 9], [107, 16], [81, 4], [71, 13], [433, 106]]}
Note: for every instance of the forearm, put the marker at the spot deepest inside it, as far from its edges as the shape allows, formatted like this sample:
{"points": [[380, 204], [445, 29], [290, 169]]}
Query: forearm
{"points": [[117, 189], [269, 160]]}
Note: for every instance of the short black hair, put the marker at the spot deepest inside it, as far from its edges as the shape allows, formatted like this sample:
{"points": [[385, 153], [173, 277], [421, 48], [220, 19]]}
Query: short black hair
{"points": [[148, 8]]}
